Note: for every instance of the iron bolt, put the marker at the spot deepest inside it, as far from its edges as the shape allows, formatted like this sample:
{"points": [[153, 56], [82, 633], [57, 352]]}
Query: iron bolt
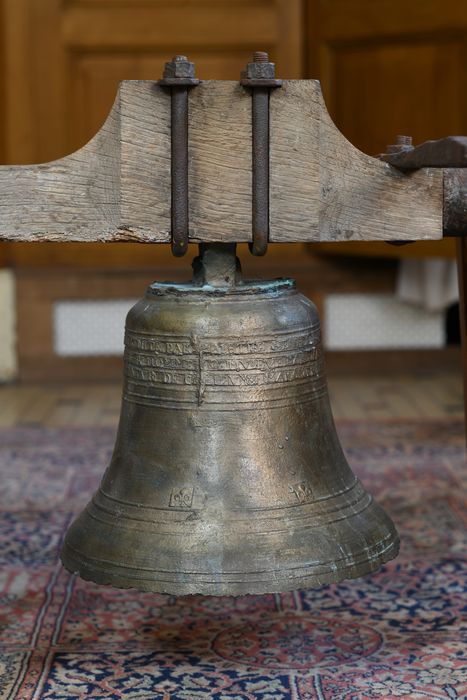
{"points": [[261, 68], [261, 57], [403, 143], [403, 140], [179, 77], [259, 76]]}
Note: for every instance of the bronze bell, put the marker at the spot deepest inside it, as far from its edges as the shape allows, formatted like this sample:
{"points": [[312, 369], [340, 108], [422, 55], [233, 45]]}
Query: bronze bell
{"points": [[227, 475]]}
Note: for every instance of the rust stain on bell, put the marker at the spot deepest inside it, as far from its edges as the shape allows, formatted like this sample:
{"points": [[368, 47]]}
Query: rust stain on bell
{"points": [[227, 475]]}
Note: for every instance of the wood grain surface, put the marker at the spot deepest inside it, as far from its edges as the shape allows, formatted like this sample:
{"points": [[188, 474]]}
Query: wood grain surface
{"points": [[117, 187]]}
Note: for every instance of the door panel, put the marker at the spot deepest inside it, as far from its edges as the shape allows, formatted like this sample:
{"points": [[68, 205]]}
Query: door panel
{"points": [[389, 89], [61, 52], [63, 60], [388, 68]]}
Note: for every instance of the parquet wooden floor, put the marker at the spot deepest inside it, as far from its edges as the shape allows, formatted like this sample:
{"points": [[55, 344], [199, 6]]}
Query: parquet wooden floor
{"points": [[392, 396]]}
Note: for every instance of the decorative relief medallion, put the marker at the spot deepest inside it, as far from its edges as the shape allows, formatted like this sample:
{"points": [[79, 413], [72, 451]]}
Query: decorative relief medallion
{"points": [[302, 491], [182, 497]]}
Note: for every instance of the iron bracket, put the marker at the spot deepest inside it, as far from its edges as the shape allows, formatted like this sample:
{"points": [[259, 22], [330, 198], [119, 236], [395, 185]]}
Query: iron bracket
{"points": [[449, 153]]}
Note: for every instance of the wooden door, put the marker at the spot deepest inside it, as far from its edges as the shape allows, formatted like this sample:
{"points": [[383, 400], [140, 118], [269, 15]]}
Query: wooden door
{"points": [[62, 61], [391, 67], [60, 65]]}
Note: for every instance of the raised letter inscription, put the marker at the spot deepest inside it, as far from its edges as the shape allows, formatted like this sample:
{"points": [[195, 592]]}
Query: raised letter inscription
{"points": [[225, 372]]}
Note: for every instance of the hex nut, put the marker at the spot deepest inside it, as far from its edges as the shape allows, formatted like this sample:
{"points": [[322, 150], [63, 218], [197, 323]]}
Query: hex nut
{"points": [[179, 67], [260, 71]]}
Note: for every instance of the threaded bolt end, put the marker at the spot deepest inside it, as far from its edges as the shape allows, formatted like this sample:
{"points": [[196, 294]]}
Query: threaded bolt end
{"points": [[260, 57], [403, 140]]}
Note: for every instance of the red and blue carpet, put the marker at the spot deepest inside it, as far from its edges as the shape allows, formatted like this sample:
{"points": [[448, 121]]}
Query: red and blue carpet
{"points": [[401, 633]]}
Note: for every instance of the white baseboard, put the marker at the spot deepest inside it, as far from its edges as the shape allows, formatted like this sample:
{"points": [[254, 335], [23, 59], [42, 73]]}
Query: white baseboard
{"points": [[8, 359]]}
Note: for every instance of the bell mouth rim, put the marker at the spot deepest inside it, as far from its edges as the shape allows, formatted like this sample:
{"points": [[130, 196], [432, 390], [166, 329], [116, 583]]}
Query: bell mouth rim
{"points": [[231, 586], [256, 288]]}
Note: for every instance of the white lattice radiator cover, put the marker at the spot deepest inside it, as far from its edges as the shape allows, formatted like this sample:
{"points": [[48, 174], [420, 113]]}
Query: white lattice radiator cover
{"points": [[351, 322], [379, 322]]}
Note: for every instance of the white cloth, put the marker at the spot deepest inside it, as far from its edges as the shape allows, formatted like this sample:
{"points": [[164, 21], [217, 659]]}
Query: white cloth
{"points": [[427, 282]]}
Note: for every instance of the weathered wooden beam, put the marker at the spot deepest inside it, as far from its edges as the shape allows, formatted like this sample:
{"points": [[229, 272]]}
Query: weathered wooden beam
{"points": [[117, 187]]}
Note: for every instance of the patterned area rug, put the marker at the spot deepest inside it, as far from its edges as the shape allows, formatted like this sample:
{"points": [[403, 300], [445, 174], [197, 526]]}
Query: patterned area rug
{"points": [[401, 633]]}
